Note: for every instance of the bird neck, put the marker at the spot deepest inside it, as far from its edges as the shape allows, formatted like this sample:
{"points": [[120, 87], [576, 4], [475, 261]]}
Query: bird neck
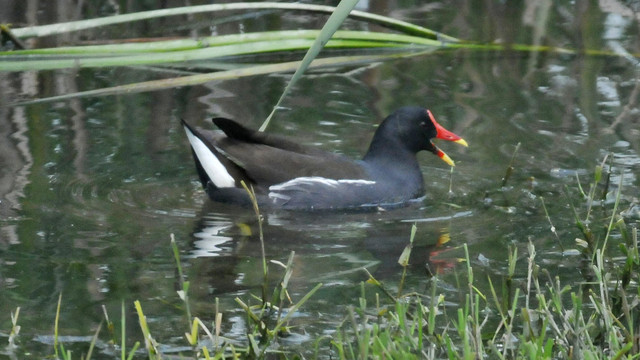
{"points": [[390, 155]]}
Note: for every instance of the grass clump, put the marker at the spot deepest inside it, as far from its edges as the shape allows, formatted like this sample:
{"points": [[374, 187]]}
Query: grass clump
{"points": [[536, 316], [547, 319]]}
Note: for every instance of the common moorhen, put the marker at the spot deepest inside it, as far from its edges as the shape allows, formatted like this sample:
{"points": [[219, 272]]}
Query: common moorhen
{"points": [[288, 175]]}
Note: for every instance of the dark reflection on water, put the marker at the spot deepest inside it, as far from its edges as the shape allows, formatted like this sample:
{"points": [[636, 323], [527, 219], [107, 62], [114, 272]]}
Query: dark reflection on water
{"points": [[90, 189]]}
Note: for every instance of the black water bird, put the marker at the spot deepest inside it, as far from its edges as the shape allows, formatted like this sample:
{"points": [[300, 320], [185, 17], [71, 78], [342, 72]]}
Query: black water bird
{"points": [[288, 175]]}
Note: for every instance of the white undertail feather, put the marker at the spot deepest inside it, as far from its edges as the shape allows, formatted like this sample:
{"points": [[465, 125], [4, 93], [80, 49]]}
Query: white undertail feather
{"points": [[210, 163]]}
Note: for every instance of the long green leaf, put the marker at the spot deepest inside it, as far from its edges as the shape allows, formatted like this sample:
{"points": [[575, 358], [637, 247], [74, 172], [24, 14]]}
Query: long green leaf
{"points": [[335, 20], [108, 57], [212, 41], [53, 29], [222, 75], [155, 58]]}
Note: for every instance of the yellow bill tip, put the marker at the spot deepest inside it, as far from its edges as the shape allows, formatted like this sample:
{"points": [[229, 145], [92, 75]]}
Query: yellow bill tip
{"points": [[446, 158], [462, 142]]}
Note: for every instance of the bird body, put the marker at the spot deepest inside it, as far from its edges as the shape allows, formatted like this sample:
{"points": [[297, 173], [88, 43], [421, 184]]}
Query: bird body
{"points": [[288, 175]]}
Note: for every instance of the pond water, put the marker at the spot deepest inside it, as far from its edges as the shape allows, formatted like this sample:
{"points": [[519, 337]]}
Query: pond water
{"points": [[92, 188]]}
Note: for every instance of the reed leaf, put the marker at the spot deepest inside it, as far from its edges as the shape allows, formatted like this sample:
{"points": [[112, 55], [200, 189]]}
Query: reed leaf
{"points": [[148, 59], [222, 75], [60, 28], [189, 50], [366, 37]]}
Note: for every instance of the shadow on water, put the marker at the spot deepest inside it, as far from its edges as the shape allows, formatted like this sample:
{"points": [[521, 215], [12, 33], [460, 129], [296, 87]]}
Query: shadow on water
{"points": [[328, 245], [331, 248]]}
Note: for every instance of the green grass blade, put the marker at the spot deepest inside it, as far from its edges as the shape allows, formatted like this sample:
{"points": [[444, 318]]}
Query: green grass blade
{"points": [[148, 341], [295, 308], [92, 345], [15, 328], [614, 213], [55, 329], [123, 331], [133, 350], [330, 27]]}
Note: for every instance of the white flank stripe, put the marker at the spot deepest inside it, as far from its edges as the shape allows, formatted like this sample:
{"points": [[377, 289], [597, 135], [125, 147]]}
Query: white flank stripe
{"points": [[210, 163], [310, 180], [273, 195], [356, 181]]}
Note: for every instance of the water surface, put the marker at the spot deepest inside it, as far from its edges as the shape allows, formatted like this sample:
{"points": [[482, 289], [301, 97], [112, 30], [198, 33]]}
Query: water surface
{"points": [[92, 188]]}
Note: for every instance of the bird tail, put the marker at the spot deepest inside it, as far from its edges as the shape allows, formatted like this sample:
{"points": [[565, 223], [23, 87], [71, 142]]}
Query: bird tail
{"points": [[213, 168]]}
